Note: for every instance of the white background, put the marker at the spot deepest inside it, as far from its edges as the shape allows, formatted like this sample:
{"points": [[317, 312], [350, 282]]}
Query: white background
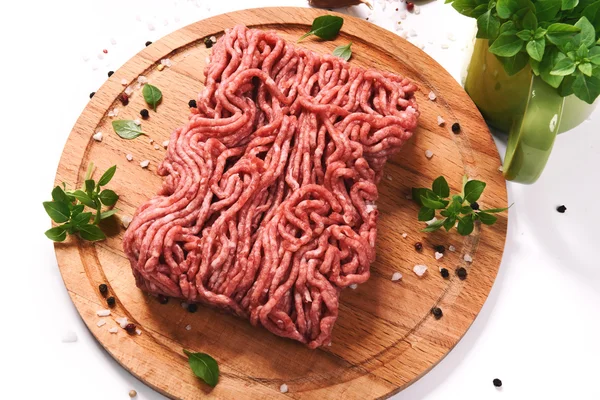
{"points": [[539, 331]]}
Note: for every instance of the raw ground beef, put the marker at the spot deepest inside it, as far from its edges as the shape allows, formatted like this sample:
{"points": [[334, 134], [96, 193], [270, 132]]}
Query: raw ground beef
{"points": [[267, 209]]}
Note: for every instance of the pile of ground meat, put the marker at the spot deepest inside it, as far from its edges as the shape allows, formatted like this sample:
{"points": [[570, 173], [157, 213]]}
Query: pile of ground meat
{"points": [[267, 209]]}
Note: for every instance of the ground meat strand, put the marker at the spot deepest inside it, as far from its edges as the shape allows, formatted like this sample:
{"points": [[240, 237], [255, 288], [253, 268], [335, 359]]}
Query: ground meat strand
{"points": [[267, 206]]}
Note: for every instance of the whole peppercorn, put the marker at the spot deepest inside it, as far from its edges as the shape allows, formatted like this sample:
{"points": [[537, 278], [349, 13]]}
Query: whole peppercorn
{"points": [[130, 328], [132, 393], [105, 51], [440, 248], [418, 246], [192, 104], [124, 99], [144, 113], [437, 312], [461, 273], [103, 289], [445, 273], [455, 127], [162, 299], [497, 382], [110, 73], [410, 6], [561, 209], [192, 307], [208, 43], [475, 205], [92, 94], [148, 43], [111, 301]]}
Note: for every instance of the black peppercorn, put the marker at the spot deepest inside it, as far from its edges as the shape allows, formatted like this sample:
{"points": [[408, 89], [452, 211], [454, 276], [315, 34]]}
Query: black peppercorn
{"points": [[440, 249], [445, 273], [192, 307], [103, 288], [418, 246], [130, 328], [455, 127], [192, 104], [148, 43], [475, 205], [208, 43], [561, 209], [111, 301], [110, 73], [162, 299], [437, 312], [92, 94], [497, 382], [461, 273], [144, 113]]}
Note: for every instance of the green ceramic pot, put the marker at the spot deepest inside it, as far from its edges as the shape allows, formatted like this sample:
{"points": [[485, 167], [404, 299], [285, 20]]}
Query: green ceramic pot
{"points": [[526, 107]]}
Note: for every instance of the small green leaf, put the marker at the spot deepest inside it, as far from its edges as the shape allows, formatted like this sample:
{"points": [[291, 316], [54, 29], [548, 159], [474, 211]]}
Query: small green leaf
{"points": [[535, 49], [581, 53], [107, 176], [82, 219], [465, 226], [560, 33], [587, 36], [496, 210], [587, 88], [566, 87], [90, 185], [551, 57], [586, 68], [563, 67], [326, 27], [59, 212], [506, 45], [594, 54], [109, 213], [525, 35], [426, 214], [466, 210], [108, 197], [488, 26], [127, 129], [486, 218], [78, 209], [508, 27], [473, 190], [449, 223], [433, 227], [152, 95], [530, 21], [514, 64], [539, 33], [569, 4], [57, 234], [440, 187], [546, 10], [434, 204], [59, 195], [204, 367], [83, 198], [418, 192], [592, 13], [535, 66], [91, 233], [344, 52]]}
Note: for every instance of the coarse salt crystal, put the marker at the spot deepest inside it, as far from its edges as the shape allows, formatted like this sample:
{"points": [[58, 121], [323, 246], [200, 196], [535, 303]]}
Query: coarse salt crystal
{"points": [[402, 15], [440, 120], [100, 323], [129, 157], [452, 248], [128, 90], [468, 258], [124, 82], [388, 177], [138, 18], [97, 136], [431, 221], [283, 388], [432, 96], [398, 27], [69, 337], [353, 286], [113, 41], [451, 36], [404, 34], [142, 79], [430, 41], [139, 332], [163, 61], [408, 196], [396, 276], [420, 269], [125, 221], [371, 207], [150, 26], [114, 329], [122, 322], [168, 63], [213, 39], [156, 147], [137, 121], [103, 313], [165, 22], [412, 33], [184, 305], [101, 56], [428, 154], [188, 327], [405, 235], [138, 86], [86, 58], [145, 163], [438, 255], [114, 112], [444, 45], [501, 168], [417, 10], [165, 144], [411, 110]]}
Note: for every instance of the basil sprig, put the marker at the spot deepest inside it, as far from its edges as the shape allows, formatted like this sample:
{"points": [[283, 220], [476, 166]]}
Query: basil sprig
{"points": [[68, 208], [127, 129], [152, 95], [344, 52], [204, 367], [557, 38], [326, 27], [462, 209]]}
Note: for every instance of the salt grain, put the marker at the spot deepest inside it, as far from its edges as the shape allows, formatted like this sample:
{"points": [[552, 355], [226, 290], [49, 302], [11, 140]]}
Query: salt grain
{"points": [[501, 168], [138, 18], [122, 322], [156, 147], [125, 221], [353, 286], [402, 15], [420, 269], [184, 305], [283, 388], [139, 332], [100, 56], [86, 58], [417, 10], [113, 41], [129, 157], [165, 144], [405, 235], [94, 67], [440, 120], [145, 163], [408, 196], [69, 337], [142, 79], [113, 330], [432, 96], [100, 323], [438, 255], [150, 26], [451, 36], [388, 177], [97, 136], [432, 221], [412, 33], [213, 39], [128, 90], [404, 34], [468, 258], [396, 276], [124, 82], [452, 248], [188, 327], [370, 208], [444, 46], [137, 121], [103, 313], [428, 154]]}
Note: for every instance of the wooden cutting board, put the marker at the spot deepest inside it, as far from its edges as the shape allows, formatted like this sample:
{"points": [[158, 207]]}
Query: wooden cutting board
{"points": [[385, 337]]}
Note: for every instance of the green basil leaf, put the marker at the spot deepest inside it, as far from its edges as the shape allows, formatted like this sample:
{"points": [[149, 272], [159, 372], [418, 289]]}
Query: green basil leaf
{"points": [[587, 36], [204, 367], [507, 8], [496, 210], [508, 27], [91, 233], [546, 10], [480, 10], [418, 192], [465, 226], [486, 218], [530, 21], [566, 87], [473, 190], [560, 33], [57, 234], [569, 4], [449, 223], [535, 66], [429, 203], [594, 54], [564, 66], [551, 57], [108, 197], [440, 187], [59, 195], [506, 45], [433, 227], [326, 27], [592, 13], [586, 68], [344, 52], [514, 64], [90, 185], [465, 7], [488, 26], [525, 35], [109, 213], [152, 95], [107, 176], [127, 129], [535, 48], [426, 214], [75, 210], [82, 219], [587, 88], [539, 33], [455, 205], [59, 212], [83, 198], [444, 213]]}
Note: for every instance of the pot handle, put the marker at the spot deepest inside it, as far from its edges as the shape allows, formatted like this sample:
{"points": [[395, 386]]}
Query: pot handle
{"points": [[532, 135]]}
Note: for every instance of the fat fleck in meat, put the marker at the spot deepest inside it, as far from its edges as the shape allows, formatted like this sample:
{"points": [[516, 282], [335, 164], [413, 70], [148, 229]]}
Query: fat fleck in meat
{"points": [[267, 206]]}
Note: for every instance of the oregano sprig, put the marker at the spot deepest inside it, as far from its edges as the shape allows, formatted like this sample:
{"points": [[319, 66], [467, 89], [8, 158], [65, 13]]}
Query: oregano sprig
{"points": [[459, 210], [68, 208]]}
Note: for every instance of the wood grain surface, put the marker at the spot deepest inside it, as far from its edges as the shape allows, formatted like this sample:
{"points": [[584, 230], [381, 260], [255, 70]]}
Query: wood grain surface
{"points": [[385, 337]]}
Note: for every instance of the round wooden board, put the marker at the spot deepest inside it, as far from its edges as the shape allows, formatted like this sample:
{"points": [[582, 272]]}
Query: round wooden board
{"points": [[385, 337]]}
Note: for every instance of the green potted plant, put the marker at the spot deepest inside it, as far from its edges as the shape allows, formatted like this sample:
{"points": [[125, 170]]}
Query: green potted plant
{"points": [[534, 72]]}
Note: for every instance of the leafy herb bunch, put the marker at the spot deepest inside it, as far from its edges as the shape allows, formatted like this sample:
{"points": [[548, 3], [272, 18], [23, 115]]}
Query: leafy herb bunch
{"points": [[461, 208], [67, 208], [557, 38]]}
